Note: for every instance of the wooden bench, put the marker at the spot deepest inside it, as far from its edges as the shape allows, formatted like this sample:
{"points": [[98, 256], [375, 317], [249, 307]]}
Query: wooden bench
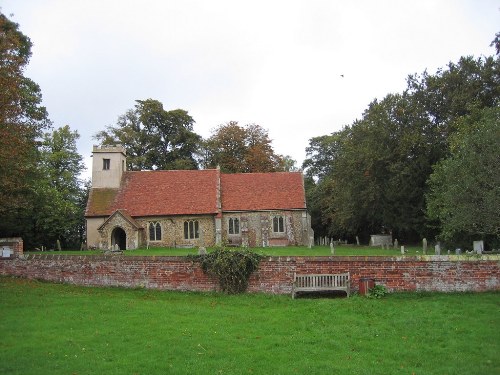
{"points": [[319, 283]]}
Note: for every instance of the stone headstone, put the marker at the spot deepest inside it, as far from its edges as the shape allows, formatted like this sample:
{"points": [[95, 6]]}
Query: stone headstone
{"points": [[202, 250], [458, 251], [396, 243], [478, 247], [424, 246], [437, 249], [311, 241], [332, 248], [117, 247], [402, 249], [357, 240]]}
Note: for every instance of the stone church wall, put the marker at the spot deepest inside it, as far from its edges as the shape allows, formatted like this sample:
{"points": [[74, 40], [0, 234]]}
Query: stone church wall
{"points": [[172, 229], [256, 229]]}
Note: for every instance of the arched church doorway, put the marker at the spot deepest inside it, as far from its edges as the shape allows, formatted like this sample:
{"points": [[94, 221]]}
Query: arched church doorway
{"points": [[118, 236]]}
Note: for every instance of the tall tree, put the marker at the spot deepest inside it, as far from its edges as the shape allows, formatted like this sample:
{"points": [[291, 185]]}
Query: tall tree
{"points": [[238, 149], [155, 138], [465, 187], [58, 213], [22, 119]]}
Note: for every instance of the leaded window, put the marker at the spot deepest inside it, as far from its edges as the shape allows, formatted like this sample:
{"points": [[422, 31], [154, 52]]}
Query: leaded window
{"points": [[234, 225], [154, 231], [278, 224], [191, 229]]}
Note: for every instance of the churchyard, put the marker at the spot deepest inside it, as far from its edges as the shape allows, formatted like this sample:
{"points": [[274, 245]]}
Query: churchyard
{"points": [[63, 329], [322, 250]]}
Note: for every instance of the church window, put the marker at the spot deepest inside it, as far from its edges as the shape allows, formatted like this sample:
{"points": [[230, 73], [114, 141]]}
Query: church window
{"points": [[191, 229], [234, 225], [154, 231], [106, 163], [278, 224]]}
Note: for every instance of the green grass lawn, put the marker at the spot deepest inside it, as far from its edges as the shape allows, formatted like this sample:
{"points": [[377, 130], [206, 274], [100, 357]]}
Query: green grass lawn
{"points": [[62, 329], [274, 251]]}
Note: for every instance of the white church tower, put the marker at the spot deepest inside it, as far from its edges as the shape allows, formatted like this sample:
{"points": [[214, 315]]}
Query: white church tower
{"points": [[108, 165]]}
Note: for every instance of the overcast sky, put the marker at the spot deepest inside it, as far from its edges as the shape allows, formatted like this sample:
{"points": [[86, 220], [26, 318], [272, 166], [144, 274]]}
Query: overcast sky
{"points": [[299, 69]]}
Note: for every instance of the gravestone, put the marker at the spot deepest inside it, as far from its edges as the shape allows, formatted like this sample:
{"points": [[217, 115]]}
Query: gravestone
{"points": [[380, 239], [311, 241], [424, 246], [202, 250], [332, 248], [357, 240], [402, 249], [396, 243], [478, 247], [458, 251], [437, 249]]}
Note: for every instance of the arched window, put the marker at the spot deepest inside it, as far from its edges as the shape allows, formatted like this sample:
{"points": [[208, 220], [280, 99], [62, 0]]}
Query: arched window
{"points": [[234, 225], [278, 224], [154, 231], [191, 229]]}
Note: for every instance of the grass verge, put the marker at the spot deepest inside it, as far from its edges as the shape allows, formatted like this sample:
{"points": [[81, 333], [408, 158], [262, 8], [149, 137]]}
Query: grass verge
{"points": [[63, 329], [270, 251]]}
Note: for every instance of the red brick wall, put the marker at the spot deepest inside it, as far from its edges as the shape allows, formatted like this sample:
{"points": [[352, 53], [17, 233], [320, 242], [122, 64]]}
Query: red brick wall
{"points": [[275, 275]]}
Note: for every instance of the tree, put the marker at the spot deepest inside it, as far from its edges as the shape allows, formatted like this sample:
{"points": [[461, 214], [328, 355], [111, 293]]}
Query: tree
{"points": [[58, 211], [239, 149], [22, 119], [496, 43], [321, 154], [372, 175], [154, 138], [465, 187]]}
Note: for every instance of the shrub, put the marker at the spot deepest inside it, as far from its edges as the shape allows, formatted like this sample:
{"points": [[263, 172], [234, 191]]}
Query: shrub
{"points": [[232, 268], [378, 291]]}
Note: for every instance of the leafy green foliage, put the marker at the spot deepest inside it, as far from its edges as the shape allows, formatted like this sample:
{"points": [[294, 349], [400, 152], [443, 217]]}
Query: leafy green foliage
{"points": [[378, 291], [232, 268], [59, 207], [465, 187], [22, 120], [154, 138]]}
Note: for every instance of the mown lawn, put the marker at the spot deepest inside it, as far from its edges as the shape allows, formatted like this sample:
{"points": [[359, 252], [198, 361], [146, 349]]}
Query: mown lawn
{"points": [[273, 251], [62, 329]]}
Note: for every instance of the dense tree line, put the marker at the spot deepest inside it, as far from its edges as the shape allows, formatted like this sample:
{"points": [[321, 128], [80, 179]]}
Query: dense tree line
{"points": [[397, 168], [41, 198]]}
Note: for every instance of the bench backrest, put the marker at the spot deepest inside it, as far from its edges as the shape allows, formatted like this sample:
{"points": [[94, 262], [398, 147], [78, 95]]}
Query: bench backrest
{"points": [[311, 281]]}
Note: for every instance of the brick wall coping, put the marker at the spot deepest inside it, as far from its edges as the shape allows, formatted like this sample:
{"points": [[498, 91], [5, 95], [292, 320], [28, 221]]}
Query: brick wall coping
{"points": [[300, 259]]}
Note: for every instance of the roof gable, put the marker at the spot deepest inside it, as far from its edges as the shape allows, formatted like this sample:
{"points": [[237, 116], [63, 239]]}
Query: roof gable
{"points": [[124, 214], [262, 191], [156, 193]]}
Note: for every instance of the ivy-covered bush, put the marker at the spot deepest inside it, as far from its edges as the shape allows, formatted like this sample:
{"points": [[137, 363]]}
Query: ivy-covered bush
{"points": [[232, 268]]}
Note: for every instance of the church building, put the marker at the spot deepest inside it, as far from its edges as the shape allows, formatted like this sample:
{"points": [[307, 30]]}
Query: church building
{"points": [[192, 208]]}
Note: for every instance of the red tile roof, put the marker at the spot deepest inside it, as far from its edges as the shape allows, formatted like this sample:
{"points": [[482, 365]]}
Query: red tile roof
{"points": [[152, 193], [194, 192], [262, 191]]}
